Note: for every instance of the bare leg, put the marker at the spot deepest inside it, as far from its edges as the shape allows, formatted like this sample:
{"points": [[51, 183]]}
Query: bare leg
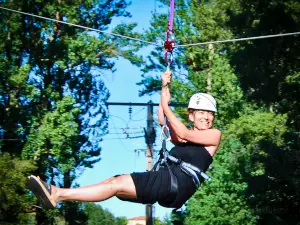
{"points": [[121, 186]]}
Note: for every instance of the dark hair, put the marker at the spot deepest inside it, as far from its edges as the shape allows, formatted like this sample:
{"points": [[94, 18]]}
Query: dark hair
{"points": [[190, 110]]}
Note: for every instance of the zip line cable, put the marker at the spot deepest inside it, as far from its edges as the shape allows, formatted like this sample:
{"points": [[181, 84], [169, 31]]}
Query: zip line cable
{"points": [[152, 43], [238, 39], [84, 27]]}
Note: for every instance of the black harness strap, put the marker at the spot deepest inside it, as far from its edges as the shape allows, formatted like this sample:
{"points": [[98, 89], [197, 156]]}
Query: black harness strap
{"points": [[163, 161], [188, 168]]}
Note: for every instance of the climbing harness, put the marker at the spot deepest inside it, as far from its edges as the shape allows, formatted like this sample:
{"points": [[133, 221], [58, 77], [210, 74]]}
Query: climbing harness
{"points": [[164, 161], [191, 170]]}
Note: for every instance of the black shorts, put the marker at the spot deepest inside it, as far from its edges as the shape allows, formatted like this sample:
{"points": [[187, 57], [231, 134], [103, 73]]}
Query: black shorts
{"points": [[150, 186], [154, 187]]}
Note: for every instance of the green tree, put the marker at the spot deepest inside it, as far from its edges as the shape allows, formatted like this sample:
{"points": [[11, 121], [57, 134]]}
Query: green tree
{"points": [[98, 216], [52, 96], [223, 200], [269, 74], [15, 205]]}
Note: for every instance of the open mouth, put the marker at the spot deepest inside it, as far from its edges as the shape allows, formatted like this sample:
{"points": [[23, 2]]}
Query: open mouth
{"points": [[204, 123]]}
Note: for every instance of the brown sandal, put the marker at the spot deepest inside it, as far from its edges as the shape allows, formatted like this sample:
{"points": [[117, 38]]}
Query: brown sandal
{"points": [[42, 191]]}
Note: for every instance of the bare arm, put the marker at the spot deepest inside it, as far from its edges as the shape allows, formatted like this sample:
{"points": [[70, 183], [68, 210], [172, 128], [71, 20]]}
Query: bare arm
{"points": [[166, 80], [161, 115], [174, 138]]}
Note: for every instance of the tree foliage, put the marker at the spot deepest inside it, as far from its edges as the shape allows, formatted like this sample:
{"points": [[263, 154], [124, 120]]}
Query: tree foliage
{"points": [[52, 93], [98, 216], [15, 204]]}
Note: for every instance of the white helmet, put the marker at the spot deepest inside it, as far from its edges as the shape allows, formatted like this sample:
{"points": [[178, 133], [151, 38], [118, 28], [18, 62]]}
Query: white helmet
{"points": [[203, 101]]}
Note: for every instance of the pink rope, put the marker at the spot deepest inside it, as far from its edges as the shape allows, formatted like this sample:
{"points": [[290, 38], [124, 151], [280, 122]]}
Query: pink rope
{"points": [[171, 18]]}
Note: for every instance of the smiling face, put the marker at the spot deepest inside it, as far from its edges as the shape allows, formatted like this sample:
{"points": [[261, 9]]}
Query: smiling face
{"points": [[202, 119]]}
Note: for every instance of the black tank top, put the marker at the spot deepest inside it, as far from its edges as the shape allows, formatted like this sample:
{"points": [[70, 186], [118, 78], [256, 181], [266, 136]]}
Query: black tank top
{"points": [[193, 153]]}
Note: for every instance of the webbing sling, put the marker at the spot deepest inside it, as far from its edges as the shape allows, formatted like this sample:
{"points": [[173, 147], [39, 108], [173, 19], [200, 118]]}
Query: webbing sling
{"points": [[191, 170], [163, 161]]}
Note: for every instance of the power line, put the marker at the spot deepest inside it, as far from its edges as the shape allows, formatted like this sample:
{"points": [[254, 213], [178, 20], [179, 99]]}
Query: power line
{"points": [[144, 104], [125, 128], [80, 26], [127, 133], [128, 137], [238, 39], [120, 138]]}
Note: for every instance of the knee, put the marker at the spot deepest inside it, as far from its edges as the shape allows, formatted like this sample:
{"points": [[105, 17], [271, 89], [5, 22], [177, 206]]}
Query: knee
{"points": [[114, 180], [118, 179]]}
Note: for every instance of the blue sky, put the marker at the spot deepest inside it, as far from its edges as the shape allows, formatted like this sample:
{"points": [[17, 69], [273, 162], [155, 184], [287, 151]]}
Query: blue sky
{"points": [[121, 156]]}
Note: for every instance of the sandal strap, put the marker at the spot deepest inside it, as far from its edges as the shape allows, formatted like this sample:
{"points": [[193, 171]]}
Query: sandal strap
{"points": [[47, 186]]}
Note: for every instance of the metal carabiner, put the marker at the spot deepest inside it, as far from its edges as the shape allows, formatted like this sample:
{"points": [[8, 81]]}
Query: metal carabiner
{"points": [[163, 136], [168, 63]]}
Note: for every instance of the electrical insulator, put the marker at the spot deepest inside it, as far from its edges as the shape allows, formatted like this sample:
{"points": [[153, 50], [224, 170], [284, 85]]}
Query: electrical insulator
{"points": [[130, 111]]}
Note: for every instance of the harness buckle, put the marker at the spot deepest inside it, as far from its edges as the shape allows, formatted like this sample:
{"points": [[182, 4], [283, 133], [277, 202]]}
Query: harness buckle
{"points": [[179, 162]]}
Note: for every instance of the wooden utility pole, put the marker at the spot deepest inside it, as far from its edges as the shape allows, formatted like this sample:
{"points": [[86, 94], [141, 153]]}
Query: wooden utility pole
{"points": [[150, 140]]}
